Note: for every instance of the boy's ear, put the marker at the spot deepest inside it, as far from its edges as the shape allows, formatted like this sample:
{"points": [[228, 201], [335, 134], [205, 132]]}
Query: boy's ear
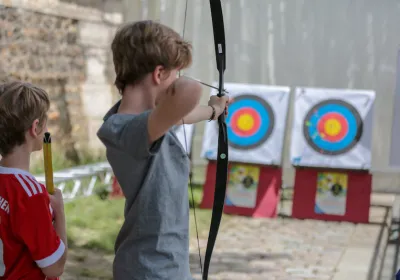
{"points": [[159, 74], [35, 128]]}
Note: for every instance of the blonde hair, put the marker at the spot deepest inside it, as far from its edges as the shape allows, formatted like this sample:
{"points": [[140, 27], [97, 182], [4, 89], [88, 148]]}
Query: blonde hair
{"points": [[139, 47], [20, 105]]}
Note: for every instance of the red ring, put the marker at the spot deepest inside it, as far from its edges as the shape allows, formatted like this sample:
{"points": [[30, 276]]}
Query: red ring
{"points": [[235, 117], [341, 119]]}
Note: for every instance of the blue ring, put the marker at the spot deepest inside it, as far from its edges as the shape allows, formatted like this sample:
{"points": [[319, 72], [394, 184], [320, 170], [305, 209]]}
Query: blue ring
{"points": [[266, 126], [323, 146]]}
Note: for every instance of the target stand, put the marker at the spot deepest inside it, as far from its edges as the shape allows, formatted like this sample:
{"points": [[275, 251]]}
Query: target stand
{"points": [[331, 151], [332, 195], [256, 124], [252, 190]]}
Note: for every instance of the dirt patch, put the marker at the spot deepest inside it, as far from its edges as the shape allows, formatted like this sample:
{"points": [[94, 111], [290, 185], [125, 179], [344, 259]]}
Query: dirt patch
{"points": [[88, 264]]}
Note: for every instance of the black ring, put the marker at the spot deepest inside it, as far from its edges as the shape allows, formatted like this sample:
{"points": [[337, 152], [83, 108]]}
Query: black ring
{"points": [[344, 104], [270, 129]]}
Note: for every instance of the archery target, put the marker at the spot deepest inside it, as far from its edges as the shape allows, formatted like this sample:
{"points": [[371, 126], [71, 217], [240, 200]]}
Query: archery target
{"points": [[250, 122], [332, 127], [255, 130]]}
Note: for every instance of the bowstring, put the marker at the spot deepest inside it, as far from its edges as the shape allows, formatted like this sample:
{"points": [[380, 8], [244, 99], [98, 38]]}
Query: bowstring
{"points": [[187, 152]]}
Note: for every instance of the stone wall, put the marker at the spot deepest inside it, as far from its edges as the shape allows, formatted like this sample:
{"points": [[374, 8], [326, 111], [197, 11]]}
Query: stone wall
{"points": [[63, 48], [109, 6]]}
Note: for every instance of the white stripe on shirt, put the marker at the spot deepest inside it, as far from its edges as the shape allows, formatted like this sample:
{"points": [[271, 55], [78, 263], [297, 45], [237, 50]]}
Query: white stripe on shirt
{"points": [[23, 185], [30, 183], [53, 258]]}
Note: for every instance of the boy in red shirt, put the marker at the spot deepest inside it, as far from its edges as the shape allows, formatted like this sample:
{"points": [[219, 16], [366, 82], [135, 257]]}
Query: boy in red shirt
{"points": [[31, 246]]}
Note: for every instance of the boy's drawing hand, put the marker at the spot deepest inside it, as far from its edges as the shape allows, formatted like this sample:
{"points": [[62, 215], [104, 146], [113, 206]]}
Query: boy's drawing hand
{"points": [[220, 104], [57, 202]]}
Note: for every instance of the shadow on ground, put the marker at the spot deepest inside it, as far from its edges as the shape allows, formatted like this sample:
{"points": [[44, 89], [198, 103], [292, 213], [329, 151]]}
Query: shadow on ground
{"points": [[85, 264], [236, 263]]}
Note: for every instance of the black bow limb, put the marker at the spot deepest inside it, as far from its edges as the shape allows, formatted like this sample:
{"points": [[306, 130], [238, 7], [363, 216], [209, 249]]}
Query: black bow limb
{"points": [[222, 160]]}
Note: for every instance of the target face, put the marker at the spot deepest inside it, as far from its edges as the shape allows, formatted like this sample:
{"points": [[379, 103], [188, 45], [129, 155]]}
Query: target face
{"points": [[332, 127], [250, 122]]}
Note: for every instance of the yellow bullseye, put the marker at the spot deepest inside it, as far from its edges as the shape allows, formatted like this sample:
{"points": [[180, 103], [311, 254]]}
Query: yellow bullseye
{"points": [[245, 122], [332, 127]]}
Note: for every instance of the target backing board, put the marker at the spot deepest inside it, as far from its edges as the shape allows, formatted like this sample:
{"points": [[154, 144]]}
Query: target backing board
{"points": [[185, 130], [332, 128], [256, 123]]}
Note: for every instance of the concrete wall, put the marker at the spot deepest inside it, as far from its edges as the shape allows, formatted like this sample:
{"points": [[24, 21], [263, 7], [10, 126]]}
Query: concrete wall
{"points": [[319, 43]]}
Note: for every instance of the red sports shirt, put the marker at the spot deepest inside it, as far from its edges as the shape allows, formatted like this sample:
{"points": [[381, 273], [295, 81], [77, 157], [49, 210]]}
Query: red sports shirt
{"points": [[28, 240]]}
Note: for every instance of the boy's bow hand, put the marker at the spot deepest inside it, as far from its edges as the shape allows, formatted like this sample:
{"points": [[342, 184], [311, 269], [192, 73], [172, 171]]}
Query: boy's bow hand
{"points": [[220, 104]]}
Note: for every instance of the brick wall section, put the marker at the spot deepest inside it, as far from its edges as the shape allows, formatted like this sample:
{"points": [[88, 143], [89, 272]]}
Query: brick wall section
{"points": [[65, 49]]}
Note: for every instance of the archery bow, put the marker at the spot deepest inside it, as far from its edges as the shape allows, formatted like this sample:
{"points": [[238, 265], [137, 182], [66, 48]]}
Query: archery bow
{"points": [[222, 159]]}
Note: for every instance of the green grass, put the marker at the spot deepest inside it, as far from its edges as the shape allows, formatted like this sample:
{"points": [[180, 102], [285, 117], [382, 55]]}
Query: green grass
{"points": [[94, 223]]}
